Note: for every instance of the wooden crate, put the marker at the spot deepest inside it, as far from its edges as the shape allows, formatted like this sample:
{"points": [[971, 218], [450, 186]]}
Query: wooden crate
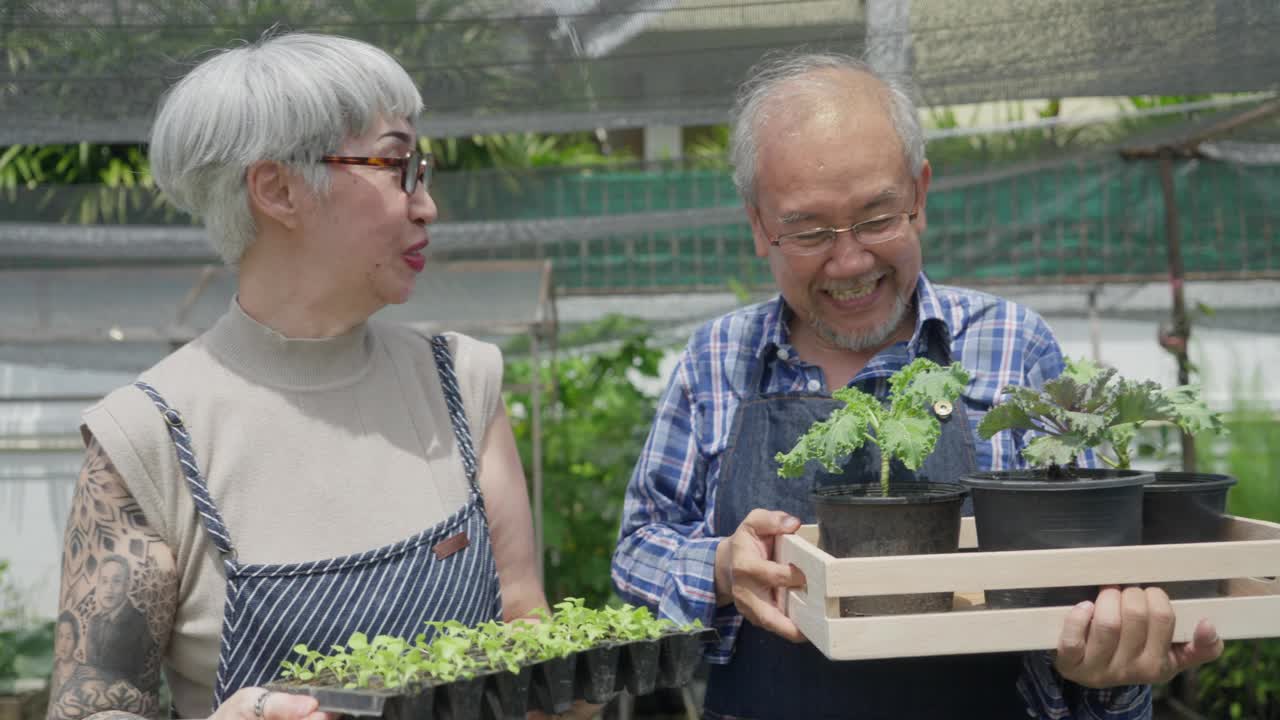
{"points": [[1249, 560]]}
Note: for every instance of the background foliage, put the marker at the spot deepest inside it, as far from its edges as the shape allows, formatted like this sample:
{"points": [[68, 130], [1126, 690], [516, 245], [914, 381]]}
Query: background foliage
{"points": [[26, 644], [594, 422], [1245, 681]]}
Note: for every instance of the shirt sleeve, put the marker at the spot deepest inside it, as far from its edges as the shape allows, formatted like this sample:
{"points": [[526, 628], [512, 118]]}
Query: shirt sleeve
{"points": [[666, 551], [1050, 697], [1047, 693]]}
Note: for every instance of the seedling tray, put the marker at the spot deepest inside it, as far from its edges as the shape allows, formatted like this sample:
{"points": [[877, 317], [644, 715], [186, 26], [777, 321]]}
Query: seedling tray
{"points": [[1247, 563], [595, 675]]}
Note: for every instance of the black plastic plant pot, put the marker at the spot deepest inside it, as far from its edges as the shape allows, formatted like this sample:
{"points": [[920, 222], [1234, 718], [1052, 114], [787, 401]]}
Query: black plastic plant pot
{"points": [[679, 655], [1183, 507], [506, 694], [551, 689], [638, 667], [1026, 510], [596, 675], [915, 518], [460, 699]]}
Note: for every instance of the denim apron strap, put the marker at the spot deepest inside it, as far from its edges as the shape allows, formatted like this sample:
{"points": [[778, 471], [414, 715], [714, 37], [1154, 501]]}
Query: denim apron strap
{"points": [[209, 514], [961, 686], [457, 413]]}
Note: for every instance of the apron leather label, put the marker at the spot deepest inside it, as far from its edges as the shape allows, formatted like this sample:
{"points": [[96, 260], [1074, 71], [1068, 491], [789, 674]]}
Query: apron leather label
{"points": [[451, 545]]}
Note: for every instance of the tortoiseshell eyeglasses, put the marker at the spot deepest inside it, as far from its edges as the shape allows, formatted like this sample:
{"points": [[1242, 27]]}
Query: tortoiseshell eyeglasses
{"points": [[415, 167]]}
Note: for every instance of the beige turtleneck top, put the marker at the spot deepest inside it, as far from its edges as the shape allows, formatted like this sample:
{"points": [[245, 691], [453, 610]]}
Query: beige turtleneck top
{"points": [[311, 448]]}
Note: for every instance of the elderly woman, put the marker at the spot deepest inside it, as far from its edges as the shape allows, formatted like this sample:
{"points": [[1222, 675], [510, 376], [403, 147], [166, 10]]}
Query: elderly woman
{"points": [[300, 471]]}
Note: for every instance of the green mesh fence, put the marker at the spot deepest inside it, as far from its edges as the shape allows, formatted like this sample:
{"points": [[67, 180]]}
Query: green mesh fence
{"points": [[1094, 219]]}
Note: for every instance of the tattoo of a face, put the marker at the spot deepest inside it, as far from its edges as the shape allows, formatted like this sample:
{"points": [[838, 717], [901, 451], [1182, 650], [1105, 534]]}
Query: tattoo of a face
{"points": [[119, 595]]}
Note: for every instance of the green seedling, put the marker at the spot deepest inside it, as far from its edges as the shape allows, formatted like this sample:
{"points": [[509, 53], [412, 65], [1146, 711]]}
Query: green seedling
{"points": [[457, 651]]}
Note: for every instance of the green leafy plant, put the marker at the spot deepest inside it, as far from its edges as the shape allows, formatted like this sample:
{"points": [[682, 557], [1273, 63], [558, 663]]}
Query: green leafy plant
{"points": [[1091, 408], [904, 428], [457, 651]]}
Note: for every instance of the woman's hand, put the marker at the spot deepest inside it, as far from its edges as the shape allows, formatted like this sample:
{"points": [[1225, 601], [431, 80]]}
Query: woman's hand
{"points": [[255, 703]]}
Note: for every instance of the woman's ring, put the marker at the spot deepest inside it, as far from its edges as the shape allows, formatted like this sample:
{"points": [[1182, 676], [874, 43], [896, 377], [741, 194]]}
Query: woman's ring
{"points": [[260, 706]]}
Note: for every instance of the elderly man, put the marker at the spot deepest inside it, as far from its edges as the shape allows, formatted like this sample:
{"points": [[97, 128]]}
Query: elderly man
{"points": [[829, 159]]}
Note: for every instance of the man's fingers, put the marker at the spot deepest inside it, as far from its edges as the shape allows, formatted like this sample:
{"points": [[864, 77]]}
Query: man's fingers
{"points": [[1104, 631], [763, 614], [765, 523], [1133, 628], [1205, 646], [1160, 625], [1075, 634]]}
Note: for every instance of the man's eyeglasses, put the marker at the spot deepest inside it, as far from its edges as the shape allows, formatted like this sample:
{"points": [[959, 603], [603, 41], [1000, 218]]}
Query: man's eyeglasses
{"points": [[880, 229], [415, 167]]}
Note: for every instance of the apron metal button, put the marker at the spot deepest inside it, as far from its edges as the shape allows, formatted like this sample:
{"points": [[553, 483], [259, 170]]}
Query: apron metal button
{"points": [[942, 409]]}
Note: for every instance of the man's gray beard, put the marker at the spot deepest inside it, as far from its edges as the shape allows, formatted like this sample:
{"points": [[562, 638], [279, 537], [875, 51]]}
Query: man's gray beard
{"points": [[861, 342]]}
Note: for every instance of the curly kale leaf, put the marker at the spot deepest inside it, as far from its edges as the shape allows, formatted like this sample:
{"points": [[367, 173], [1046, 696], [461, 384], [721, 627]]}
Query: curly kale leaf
{"points": [[910, 439], [1082, 372], [1047, 450], [922, 383], [1189, 411], [831, 441], [1138, 402], [1005, 416], [1022, 408], [905, 429]]}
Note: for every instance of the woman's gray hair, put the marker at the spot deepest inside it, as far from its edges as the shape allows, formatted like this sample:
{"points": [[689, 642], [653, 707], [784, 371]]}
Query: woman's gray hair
{"points": [[289, 98], [767, 78]]}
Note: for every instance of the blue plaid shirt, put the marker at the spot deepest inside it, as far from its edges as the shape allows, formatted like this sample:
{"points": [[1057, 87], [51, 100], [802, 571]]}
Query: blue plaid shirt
{"points": [[666, 550]]}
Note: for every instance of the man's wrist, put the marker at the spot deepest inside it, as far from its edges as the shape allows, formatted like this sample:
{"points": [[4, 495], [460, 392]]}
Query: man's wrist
{"points": [[723, 578]]}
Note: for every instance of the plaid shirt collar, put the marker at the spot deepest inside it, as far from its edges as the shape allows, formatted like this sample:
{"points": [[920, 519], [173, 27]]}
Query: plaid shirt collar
{"points": [[928, 310]]}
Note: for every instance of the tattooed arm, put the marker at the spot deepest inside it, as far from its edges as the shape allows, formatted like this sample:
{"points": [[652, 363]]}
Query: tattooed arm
{"points": [[119, 593]]}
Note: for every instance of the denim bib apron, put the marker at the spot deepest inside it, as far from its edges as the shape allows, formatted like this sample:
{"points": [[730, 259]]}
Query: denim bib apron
{"points": [[770, 677], [446, 572]]}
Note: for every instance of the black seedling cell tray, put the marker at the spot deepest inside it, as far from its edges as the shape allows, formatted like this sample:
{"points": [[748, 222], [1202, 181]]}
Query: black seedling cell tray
{"points": [[596, 678], [595, 675], [506, 695], [552, 688]]}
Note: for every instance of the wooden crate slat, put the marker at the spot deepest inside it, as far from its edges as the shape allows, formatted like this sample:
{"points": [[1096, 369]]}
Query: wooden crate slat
{"points": [[1251, 607], [981, 631]]}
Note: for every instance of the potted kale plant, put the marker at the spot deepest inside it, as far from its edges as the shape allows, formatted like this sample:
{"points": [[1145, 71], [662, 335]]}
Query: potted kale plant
{"points": [[1057, 503], [885, 513], [1180, 506]]}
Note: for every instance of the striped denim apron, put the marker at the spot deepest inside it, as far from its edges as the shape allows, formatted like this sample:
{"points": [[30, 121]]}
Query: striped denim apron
{"points": [[446, 572]]}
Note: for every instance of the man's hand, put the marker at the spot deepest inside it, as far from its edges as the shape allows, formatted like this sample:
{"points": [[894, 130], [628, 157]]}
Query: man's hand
{"points": [[1126, 638], [747, 576]]}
